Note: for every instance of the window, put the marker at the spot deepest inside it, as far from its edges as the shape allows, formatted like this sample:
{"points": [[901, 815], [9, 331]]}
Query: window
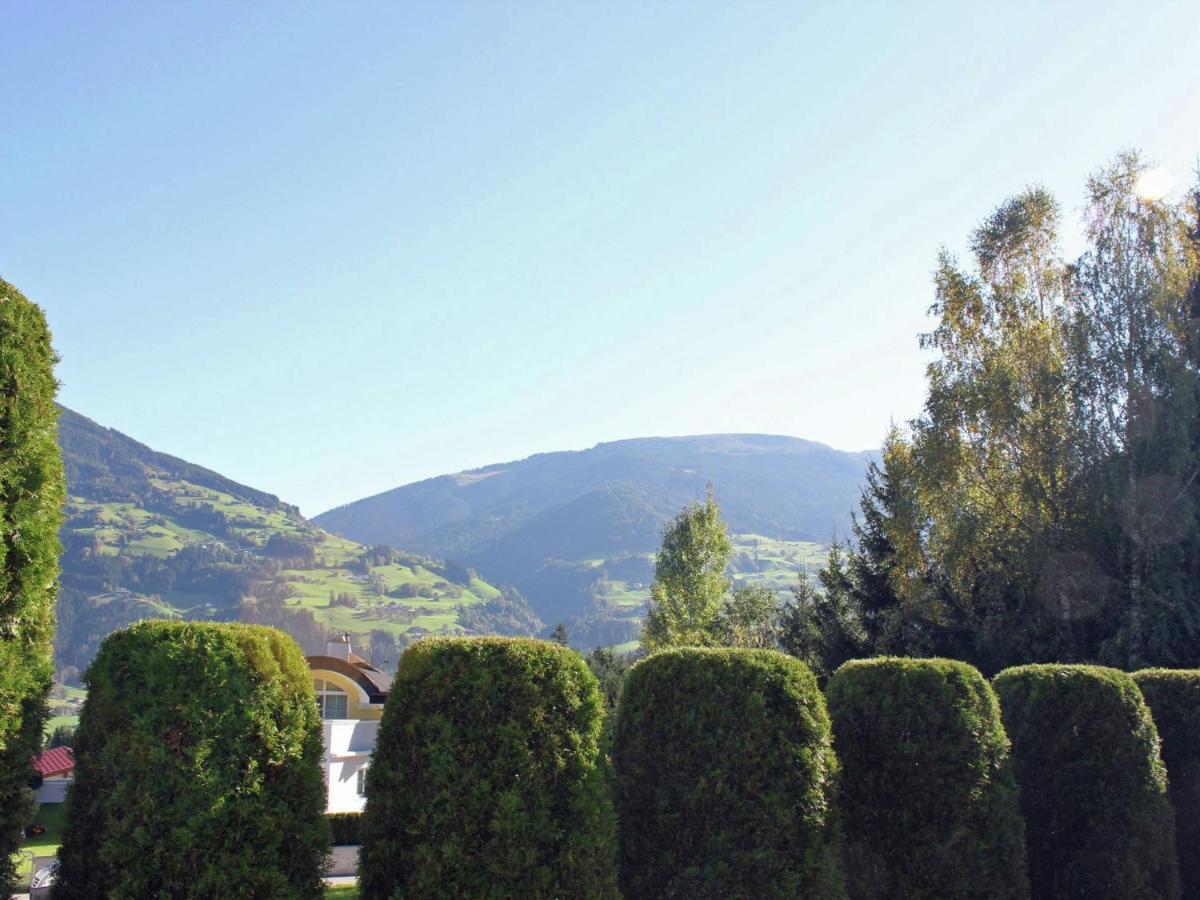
{"points": [[360, 782], [332, 701]]}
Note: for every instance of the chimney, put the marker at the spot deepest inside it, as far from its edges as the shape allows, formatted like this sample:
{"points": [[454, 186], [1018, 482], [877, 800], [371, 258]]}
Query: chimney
{"points": [[339, 646]]}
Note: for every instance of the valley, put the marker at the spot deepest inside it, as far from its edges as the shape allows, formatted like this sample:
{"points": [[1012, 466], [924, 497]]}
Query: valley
{"points": [[568, 540], [150, 536]]}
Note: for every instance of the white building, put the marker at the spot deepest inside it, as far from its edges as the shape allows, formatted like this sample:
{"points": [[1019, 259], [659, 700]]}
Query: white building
{"points": [[350, 693], [57, 768]]}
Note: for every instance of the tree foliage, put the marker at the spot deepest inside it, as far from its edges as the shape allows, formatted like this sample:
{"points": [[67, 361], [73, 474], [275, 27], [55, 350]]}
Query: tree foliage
{"points": [[1093, 786], [693, 603], [31, 498], [822, 626], [690, 584], [929, 804], [198, 768], [610, 669], [506, 614], [487, 778], [724, 778], [1043, 505], [1173, 696]]}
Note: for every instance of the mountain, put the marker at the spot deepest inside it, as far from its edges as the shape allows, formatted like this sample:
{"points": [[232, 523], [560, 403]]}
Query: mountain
{"points": [[148, 535], [571, 530]]}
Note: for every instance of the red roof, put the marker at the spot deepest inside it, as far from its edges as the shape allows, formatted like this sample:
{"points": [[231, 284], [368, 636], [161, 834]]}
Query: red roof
{"points": [[59, 761]]}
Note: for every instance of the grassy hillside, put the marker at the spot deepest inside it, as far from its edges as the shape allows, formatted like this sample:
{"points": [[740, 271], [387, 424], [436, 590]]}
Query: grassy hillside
{"points": [[150, 536], [618, 589], [573, 531]]}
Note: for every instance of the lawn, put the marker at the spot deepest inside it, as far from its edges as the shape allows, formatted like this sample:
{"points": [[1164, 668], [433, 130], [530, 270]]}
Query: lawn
{"points": [[342, 892], [53, 722], [51, 815]]}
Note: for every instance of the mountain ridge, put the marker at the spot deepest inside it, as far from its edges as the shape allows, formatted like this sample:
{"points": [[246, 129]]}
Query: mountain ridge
{"points": [[523, 521], [86, 436], [150, 535]]}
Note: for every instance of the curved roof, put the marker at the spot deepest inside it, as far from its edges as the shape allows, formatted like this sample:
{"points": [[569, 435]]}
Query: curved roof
{"points": [[370, 679]]}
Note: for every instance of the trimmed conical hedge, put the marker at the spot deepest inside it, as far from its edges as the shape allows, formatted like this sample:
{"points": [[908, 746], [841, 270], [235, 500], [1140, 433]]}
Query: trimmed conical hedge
{"points": [[724, 778], [31, 503], [1093, 787], [198, 768], [487, 779], [929, 806], [1174, 699]]}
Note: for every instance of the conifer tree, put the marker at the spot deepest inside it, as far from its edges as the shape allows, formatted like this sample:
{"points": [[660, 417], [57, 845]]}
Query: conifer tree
{"points": [[1045, 506], [31, 501], [823, 627]]}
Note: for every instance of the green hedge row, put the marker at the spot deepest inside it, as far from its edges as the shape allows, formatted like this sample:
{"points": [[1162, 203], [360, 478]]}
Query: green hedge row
{"points": [[346, 828], [1174, 700], [724, 778], [1093, 786], [32, 491], [487, 778], [197, 768], [201, 740], [928, 798]]}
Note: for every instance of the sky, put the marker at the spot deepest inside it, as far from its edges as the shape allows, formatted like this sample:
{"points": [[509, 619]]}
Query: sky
{"points": [[330, 248]]}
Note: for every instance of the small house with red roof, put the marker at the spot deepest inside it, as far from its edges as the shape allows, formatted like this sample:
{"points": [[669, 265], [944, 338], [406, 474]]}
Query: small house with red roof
{"points": [[57, 768]]}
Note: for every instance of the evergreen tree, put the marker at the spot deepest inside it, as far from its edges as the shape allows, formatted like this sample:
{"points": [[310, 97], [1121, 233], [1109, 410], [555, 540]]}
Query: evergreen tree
{"points": [[824, 627], [1043, 505], [610, 670], [32, 493], [690, 584]]}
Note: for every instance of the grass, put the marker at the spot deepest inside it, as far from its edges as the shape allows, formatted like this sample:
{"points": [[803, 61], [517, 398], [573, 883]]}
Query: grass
{"points": [[124, 529], [58, 721], [756, 560], [341, 892], [52, 815]]}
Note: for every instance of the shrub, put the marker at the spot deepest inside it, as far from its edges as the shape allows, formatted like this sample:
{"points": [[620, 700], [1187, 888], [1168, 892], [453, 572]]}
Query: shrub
{"points": [[487, 779], [724, 772], [197, 768], [32, 493], [1174, 699], [345, 828], [929, 806], [1093, 788]]}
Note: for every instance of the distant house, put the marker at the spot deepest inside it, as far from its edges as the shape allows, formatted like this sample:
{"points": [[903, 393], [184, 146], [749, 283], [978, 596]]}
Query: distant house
{"points": [[350, 695], [57, 768]]}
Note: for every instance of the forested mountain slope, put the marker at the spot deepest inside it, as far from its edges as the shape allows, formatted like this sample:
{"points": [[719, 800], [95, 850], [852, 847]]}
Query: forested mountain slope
{"points": [[573, 530], [148, 535]]}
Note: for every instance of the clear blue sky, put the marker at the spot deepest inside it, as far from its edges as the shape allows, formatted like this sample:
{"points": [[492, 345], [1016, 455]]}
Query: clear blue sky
{"points": [[329, 248]]}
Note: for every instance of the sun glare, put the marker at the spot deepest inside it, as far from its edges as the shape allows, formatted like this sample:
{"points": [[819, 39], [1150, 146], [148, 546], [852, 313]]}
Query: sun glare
{"points": [[1154, 184]]}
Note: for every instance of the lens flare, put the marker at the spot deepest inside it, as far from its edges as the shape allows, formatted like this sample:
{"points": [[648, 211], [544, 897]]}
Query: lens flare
{"points": [[1153, 184]]}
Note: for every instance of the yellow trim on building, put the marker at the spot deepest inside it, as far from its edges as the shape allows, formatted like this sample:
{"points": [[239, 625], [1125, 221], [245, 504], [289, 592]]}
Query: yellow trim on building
{"points": [[358, 705]]}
